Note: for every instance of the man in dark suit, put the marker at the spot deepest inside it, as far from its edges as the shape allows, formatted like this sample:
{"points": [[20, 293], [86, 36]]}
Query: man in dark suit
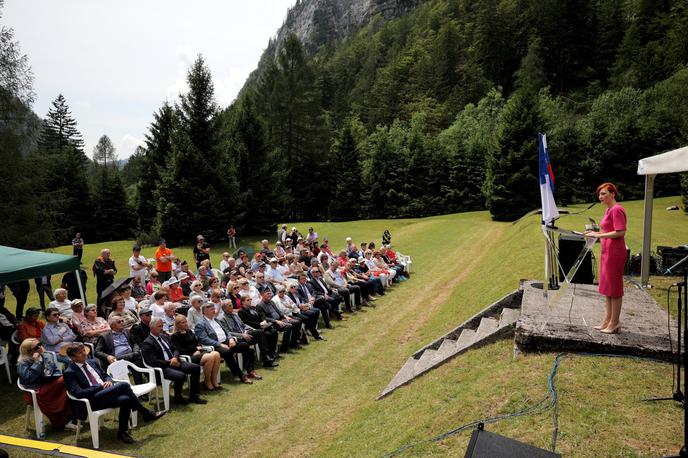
{"points": [[233, 326], [209, 332], [117, 344], [141, 330], [270, 313], [251, 317], [308, 314], [85, 379], [322, 291], [306, 294], [158, 351]]}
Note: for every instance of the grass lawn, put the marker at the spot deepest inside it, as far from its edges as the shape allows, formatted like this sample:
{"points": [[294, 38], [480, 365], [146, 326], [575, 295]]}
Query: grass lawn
{"points": [[320, 401]]}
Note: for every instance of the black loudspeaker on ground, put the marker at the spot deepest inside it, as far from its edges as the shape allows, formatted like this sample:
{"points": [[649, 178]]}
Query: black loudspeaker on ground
{"points": [[484, 444]]}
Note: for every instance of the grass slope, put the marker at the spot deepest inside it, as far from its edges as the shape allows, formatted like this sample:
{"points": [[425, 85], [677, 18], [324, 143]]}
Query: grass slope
{"points": [[320, 402]]}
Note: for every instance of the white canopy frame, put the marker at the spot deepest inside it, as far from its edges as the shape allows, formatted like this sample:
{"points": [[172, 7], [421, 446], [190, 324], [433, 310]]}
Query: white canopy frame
{"points": [[675, 161]]}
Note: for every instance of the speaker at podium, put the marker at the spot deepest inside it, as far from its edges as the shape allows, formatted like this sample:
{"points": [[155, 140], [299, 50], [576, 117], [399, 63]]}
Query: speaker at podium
{"points": [[570, 246]]}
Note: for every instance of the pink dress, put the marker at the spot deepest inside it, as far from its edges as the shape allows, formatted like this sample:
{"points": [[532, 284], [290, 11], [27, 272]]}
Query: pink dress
{"points": [[613, 258]]}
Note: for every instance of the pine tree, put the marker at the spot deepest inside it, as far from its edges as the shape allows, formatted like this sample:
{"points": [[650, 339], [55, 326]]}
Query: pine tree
{"points": [[110, 209], [59, 130], [531, 77], [511, 185], [199, 178], [346, 202]]}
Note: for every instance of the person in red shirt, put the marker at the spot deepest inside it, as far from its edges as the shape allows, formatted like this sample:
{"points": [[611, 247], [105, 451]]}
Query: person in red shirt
{"points": [[163, 261], [176, 293]]}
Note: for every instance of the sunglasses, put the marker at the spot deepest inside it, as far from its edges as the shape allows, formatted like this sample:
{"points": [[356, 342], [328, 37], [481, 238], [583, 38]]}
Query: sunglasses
{"points": [[38, 345]]}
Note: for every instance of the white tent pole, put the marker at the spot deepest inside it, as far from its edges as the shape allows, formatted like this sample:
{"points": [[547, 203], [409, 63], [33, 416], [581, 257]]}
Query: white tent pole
{"points": [[647, 230], [81, 287]]}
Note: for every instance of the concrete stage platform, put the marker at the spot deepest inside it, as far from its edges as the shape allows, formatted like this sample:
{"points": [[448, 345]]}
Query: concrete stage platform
{"points": [[568, 326]]}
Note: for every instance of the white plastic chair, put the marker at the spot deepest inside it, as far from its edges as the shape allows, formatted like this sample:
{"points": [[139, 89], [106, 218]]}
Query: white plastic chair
{"points": [[4, 360], [37, 414], [94, 418], [119, 371], [166, 384]]}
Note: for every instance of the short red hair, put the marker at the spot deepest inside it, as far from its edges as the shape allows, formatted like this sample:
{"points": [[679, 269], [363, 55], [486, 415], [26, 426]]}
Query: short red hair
{"points": [[609, 187]]}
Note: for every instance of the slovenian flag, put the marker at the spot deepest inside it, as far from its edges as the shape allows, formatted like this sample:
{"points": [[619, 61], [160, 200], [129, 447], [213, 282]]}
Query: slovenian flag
{"points": [[549, 208]]}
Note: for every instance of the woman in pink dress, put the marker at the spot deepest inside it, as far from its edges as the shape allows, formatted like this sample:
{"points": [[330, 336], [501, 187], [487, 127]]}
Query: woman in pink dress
{"points": [[613, 258]]}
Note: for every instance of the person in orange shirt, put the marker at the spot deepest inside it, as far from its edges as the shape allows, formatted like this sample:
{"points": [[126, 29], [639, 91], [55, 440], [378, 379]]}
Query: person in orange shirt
{"points": [[163, 261], [31, 326]]}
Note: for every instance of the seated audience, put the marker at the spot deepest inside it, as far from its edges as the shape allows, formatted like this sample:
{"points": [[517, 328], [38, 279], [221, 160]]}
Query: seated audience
{"points": [[117, 344], [62, 304], [93, 325], [290, 328], [234, 327], [129, 317], [186, 343], [168, 318], [159, 351], [56, 333], [153, 285], [210, 332], [138, 291], [77, 315], [141, 330], [323, 292], [30, 326], [250, 316], [129, 302], [335, 280], [193, 316], [84, 379]]}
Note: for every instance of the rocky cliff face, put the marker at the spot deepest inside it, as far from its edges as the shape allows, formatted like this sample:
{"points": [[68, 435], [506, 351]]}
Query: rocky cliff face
{"points": [[320, 22]]}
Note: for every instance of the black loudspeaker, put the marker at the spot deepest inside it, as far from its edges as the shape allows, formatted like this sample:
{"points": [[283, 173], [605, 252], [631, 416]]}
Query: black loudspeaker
{"points": [[570, 247], [484, 444]]}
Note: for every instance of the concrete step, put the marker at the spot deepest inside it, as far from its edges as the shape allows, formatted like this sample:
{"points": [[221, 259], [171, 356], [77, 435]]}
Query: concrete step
{"points": [[404, 375], [487, 326], [466, 338], [509, 317], [424, 362], [446, 350]]}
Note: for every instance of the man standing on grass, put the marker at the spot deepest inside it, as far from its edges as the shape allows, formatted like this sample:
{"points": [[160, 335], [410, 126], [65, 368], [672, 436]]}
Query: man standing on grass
{"points": [[163, 261], [78, 246]]}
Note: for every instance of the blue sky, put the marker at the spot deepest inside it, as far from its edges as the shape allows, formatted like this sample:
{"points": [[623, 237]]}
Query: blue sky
{"points": [[116, 62]]}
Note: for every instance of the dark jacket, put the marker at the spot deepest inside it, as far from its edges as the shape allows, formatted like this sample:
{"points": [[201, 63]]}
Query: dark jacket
{"points": [[78, 385], [105, 346], [152, 352]]}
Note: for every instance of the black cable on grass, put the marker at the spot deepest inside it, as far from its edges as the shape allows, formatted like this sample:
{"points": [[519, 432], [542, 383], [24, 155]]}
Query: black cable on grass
{"points": [[550, 401]]}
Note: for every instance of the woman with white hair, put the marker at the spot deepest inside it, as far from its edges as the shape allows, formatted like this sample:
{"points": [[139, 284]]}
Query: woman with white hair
{"points": [[62, 304]]}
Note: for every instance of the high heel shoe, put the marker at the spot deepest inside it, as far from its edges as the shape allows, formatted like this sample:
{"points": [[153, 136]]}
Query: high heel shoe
{"points": [[601, 326], [614, 330]]}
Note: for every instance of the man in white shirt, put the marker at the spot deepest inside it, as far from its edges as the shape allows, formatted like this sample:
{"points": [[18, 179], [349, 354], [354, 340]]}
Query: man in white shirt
{"points": [[273, 274], [138, 265]]}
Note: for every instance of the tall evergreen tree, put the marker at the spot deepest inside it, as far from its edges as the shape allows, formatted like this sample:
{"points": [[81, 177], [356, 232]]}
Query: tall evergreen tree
{"points": [[114, 220], [199, 177], [511, 184], [346, 168], [59, 129], [258, 200]]}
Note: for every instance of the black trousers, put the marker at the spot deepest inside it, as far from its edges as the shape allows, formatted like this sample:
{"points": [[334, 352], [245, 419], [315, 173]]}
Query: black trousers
{"points": [[267, 342], [324, 307], [178, 376], [20, 290], [244, 348], [230, 360], [44, 290], [366, 288], [309, 318], [118, 395], [290, 335]]}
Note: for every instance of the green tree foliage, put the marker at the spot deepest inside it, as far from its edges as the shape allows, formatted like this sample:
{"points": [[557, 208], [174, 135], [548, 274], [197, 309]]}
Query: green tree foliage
{"points": [[104, 153], [198, 179], [346, 169], [296, 131], [257, 202], [112, 215], [467, 143], [511, 181], [59, 130]]}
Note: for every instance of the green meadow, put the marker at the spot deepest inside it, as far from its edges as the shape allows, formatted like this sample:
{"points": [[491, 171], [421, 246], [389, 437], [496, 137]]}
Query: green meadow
{"points": [[321, 400]]}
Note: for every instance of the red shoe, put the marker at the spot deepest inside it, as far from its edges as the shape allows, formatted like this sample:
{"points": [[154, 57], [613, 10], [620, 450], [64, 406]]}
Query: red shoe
{"points": [[253, 374]]}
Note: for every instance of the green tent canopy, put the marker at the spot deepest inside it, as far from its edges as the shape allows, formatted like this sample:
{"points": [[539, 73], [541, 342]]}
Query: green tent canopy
{"points": [[16, 264]]}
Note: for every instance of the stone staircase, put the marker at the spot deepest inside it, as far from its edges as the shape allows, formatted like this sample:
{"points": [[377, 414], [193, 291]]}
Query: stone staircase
{"points": [[490, 324]]}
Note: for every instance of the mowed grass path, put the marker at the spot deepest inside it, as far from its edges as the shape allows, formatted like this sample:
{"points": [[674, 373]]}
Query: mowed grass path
{"points": [[320, 401]]}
